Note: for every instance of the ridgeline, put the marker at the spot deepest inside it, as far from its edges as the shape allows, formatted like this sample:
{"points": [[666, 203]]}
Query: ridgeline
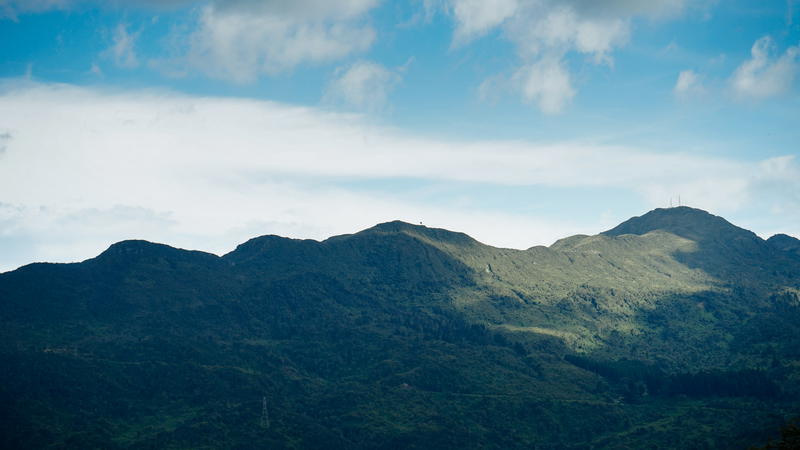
{"points": [[675, 329]]}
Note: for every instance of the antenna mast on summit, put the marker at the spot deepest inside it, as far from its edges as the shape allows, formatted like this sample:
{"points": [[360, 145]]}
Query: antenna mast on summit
{"points": [[679, 200]]}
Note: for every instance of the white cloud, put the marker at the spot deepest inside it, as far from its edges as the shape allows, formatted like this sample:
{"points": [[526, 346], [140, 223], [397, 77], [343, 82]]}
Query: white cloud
{"points": [[547, 83], [363, 85], [11, 9], [764, 75], [561, 29], [689, 84], [240, 41], [208, 173], [298, 9], [544, 32], [476, 17], [123, 49]]}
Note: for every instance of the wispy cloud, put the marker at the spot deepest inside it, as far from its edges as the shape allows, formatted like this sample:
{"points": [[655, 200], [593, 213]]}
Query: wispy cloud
{"points": [[242, 40], [547, 83], [95, 70], [238, 40], [11, 9], [688, 85], [123, 48], [765, 74], [475, 18], [545, 32], [363, 85], [208, 172]]}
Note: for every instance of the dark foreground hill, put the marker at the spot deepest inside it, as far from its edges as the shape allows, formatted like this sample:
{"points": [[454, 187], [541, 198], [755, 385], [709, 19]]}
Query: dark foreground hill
{"points": [[673, 330]]}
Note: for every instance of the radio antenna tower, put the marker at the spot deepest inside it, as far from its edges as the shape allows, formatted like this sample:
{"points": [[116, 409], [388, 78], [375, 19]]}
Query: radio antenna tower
{"points": [[264, 413]]}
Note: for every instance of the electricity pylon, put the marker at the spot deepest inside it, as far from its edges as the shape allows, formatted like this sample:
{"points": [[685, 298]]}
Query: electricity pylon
{"points": [[264, 413]]}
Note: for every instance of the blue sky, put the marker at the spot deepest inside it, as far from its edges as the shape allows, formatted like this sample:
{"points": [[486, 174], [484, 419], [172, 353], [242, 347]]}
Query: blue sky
{"points": [[203, 123]]}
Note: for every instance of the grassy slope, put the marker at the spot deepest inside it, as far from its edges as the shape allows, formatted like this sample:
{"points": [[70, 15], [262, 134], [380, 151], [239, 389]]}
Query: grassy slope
{"points": [[635, 290]]}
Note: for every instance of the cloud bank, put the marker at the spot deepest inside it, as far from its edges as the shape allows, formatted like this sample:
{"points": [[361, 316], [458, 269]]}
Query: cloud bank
{"points": [[208, 173]]}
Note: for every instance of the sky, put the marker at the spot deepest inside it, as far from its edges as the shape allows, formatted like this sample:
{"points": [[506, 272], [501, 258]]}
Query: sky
{"points": [[203, 123]]}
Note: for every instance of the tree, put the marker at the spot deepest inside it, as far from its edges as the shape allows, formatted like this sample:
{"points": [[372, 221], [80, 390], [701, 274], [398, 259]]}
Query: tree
{"points": [[790, 437]]}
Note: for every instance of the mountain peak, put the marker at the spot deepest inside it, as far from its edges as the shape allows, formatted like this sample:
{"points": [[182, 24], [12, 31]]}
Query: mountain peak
{"points": [[140, 250], [136, 248], [434, 234], [785, 243], [398, 225], [690, 223]]}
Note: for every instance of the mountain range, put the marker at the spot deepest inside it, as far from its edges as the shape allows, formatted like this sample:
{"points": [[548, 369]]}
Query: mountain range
{"points": [[676, 329]]}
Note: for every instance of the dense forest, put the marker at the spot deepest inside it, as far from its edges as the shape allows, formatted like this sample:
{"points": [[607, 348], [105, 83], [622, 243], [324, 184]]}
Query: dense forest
{"points": [[676, 329]]}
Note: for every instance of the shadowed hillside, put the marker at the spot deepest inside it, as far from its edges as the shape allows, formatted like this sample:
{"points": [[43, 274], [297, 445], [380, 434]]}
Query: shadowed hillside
{"points": [[673, 329], [786, 243]]}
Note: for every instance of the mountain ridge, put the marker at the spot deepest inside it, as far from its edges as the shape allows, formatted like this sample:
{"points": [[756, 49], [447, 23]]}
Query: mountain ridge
{"points": [[406, 336], [681, 221]]}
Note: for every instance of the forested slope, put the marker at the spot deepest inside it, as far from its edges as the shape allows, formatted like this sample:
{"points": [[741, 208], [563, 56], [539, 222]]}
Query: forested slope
{"points": [[675, 329]]}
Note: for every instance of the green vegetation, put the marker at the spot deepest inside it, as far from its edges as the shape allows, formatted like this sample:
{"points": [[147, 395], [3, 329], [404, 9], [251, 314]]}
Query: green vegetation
{"points": [[789, 439], [672, 330]]}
